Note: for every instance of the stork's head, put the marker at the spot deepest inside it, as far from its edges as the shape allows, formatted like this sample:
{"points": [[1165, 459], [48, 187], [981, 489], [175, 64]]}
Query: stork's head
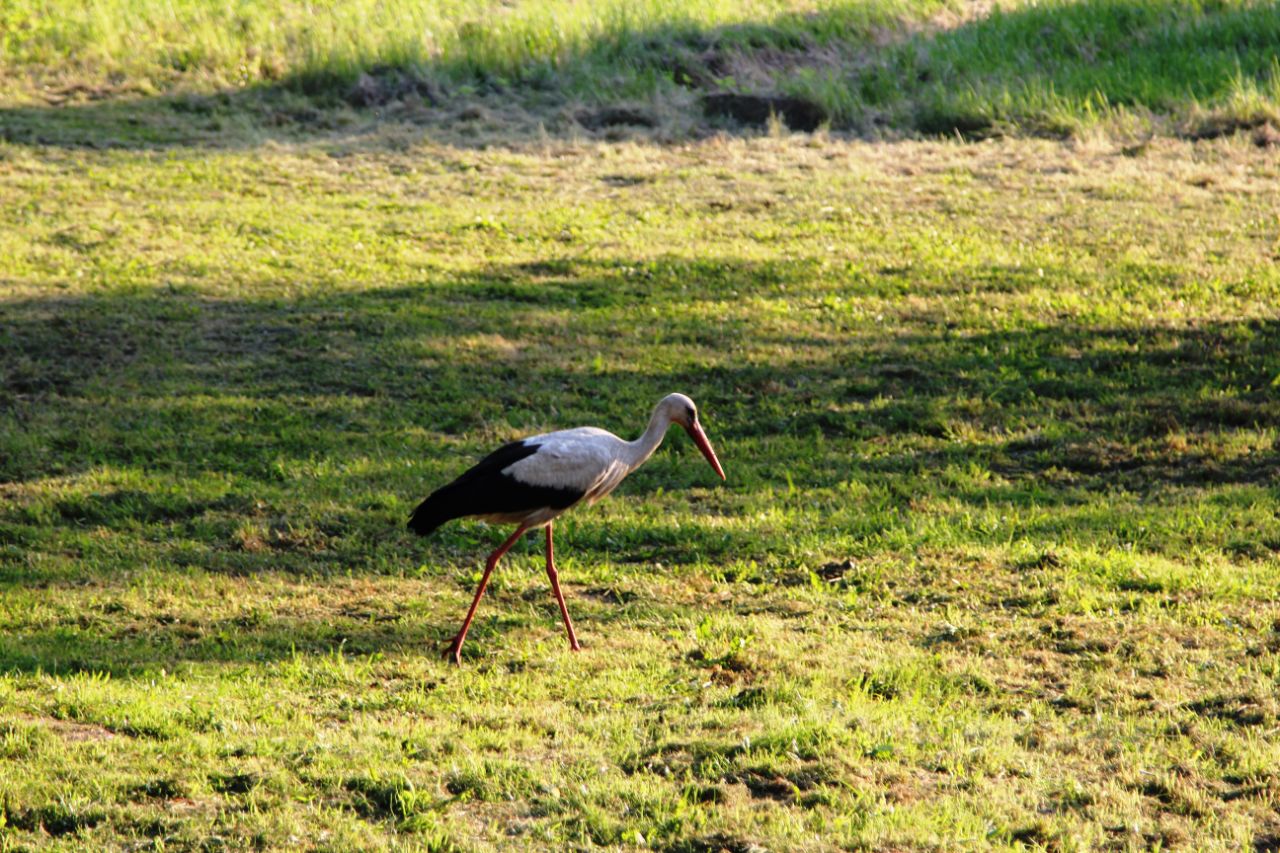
{"points": [[679, 409]]}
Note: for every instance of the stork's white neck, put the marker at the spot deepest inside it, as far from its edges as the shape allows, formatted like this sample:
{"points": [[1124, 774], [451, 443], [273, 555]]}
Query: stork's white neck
{"points": [[638, 451]]}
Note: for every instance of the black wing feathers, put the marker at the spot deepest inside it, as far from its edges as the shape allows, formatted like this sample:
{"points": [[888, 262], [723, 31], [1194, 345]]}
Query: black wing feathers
{"points": [[484, 489]]}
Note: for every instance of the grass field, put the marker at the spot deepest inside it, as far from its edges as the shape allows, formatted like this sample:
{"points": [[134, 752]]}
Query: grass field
{"points": [[995, 565], [118, 70]]}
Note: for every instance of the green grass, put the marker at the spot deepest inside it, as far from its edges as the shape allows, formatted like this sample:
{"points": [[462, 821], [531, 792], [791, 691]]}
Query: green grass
{"points": [[995, 564], [156, 45], [875, 67]]}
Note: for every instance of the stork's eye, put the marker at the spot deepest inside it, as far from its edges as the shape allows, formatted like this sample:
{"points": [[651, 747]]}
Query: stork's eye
{"points": [[690, 415]]}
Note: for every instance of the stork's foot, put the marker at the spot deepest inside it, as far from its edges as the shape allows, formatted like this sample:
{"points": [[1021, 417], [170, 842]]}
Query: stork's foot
{"points": [[574, 647], [453, 651]]}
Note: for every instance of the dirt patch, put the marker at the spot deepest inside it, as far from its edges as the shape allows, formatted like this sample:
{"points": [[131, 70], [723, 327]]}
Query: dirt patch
{"points": [[835, 573], [1093, 645], [235, 783], [1258, 791], [1099, 457], [700, 69], [1267, 841], [911, 787], [615, 117], [278, 535], [1176, 796], [157, 789], [1070, 640], [1037, 834], [359, 611], [756, 110], [381, 85], [1227, 125], [1047, 559], [750, 697], [375, 799], [70, 730], [727, 669], [772, 788], [1036, 603], [717, 843], [784, 787], [610, 595], [55, 820], [627, 180], [704, 794], [1267, 136], [1244, 710], [80, 93], [702, 759]]}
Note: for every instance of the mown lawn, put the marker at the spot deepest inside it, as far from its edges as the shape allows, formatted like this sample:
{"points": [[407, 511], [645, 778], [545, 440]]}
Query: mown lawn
{"points": [[996, 563]]}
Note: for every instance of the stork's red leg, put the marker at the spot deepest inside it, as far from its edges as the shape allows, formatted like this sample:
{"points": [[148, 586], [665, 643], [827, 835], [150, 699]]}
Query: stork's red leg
{"points": [[454, 649], [555, 587]]}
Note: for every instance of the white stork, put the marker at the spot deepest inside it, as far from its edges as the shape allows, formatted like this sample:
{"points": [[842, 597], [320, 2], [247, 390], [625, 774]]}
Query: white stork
{"points": [[531, 482]]}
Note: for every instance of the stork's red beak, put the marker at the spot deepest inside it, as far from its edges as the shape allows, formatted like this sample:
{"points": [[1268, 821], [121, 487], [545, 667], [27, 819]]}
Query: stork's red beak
{"points": [[700, 438]]}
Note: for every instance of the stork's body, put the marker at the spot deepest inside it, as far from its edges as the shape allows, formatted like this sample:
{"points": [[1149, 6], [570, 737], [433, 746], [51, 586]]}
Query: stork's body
{"points": [[531, 482]]}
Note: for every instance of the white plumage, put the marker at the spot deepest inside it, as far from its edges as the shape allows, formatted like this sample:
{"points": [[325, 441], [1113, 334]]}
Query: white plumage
{"points": [[587, 459]]}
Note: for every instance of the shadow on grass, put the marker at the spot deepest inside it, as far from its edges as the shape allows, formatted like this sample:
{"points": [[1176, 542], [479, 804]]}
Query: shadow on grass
{"points": [[1041, 69], [105, 637], [176, 384], [293, 435], [122, 645]]}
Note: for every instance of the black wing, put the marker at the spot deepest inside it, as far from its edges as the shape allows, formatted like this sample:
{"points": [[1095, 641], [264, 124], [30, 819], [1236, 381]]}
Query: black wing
{"points": [[483, 489]]}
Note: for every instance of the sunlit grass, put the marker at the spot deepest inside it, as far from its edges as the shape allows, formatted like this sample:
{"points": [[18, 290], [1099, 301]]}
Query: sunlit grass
{"points": [[934, 67], [233, 44], [995, 564]]}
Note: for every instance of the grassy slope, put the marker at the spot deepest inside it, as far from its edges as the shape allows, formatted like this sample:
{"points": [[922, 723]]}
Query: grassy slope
{"points": [[936, 67], [1027, 390]]}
